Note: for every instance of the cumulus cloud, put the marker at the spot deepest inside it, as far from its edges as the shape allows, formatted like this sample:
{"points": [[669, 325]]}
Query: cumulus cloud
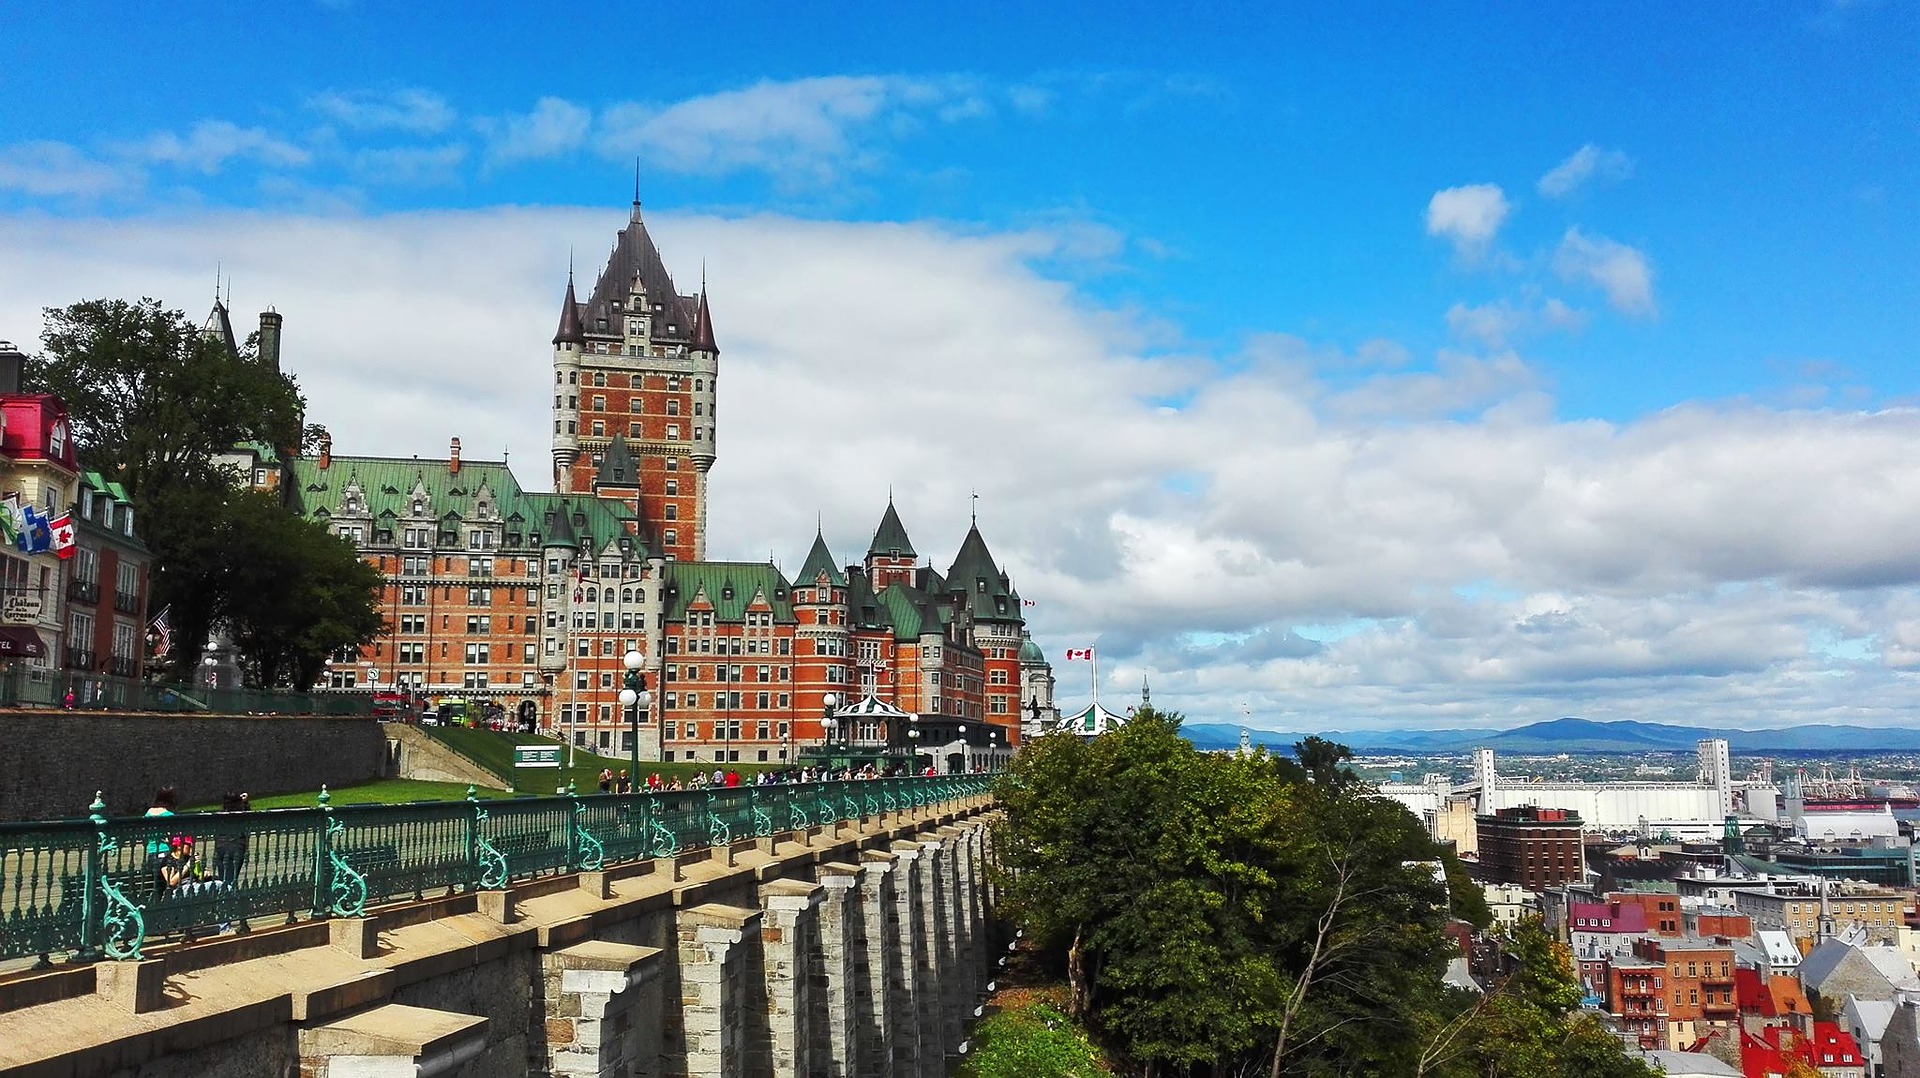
{"points": [[210, 144], [1497, 323], [1325, 534], [59, 170], [1469, 216], [1588, 164], [413, 111], [1622, 272], [555, 126], [810, 128]]}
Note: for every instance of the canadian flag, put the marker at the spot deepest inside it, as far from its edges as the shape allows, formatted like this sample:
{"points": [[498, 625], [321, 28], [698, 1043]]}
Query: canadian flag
{"points": [[1075, 654], [61, 528]]}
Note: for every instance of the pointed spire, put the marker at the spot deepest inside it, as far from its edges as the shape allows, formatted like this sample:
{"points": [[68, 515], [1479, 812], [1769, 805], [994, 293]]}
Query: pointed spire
{"points": [[570, 331], [703, 322], [890, 539], [636, 189], [819, 561], [561, 533]]}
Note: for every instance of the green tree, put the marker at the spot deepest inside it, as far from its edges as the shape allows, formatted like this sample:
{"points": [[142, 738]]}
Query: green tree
{"points": [[299, 593], [153, 401], [1531, 1025]]}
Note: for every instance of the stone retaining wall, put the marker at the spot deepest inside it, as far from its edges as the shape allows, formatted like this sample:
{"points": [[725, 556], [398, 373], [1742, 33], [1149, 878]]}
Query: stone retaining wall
{"points": [[51, 763]]}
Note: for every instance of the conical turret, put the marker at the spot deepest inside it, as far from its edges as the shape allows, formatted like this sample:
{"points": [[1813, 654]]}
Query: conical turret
{"points": [[570, 331]]}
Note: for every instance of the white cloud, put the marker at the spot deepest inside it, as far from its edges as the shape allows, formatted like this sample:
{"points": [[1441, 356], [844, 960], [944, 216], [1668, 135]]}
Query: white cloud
{"points": [[56, 169], [414, 111], [1620, 271], [1479, 560], [411, 166], [555, 127], [1469, 216], [1500, 322], [210, 144], [1587, 164], [806, 129]]}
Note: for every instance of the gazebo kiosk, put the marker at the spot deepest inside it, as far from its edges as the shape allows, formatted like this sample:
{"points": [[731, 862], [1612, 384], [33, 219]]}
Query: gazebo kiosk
{"points": [[867, 731]]}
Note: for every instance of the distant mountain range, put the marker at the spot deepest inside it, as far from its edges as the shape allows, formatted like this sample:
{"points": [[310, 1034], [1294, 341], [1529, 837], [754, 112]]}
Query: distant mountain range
{"points": [[1576, 736]]}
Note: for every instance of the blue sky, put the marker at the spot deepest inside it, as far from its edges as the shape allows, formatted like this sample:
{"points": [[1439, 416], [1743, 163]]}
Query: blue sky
{"points": [[1543, 216]]}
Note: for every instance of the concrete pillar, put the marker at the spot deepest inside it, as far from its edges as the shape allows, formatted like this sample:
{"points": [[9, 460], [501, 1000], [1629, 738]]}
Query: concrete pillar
{"points": [[966, 951], [789, 950], [393, 1039], [837, 975], [717, 966], [914, 979], [602, 1010], [877, 964], [930, 992], [952, 986]]}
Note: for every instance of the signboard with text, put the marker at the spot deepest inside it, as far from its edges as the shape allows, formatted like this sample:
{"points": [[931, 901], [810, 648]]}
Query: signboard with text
{"points": [[536, 756]]}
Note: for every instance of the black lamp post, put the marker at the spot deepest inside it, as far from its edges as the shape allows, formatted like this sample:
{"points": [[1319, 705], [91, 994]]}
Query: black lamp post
{"points": [[634, 697], [829, 724]]}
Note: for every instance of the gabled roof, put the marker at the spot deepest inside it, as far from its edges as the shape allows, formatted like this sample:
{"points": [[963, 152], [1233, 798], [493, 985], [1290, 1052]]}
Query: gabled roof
{"points": [[819, 562], [635, 255], [985, 586], [910, 611], [890, 539], [865, 610], [617, 466], [386, 484], [730, 586]]}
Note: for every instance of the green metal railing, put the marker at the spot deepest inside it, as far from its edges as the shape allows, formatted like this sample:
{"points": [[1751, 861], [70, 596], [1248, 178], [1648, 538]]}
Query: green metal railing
{"points": [[93, 888]]}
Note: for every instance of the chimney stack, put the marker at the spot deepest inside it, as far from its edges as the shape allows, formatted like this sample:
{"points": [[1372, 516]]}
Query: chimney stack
{"points": [[326, 450], [13, 365], [270, 338], [453, 457]]}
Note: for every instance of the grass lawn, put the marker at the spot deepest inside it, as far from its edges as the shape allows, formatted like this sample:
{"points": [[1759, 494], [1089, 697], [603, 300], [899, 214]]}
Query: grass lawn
{"points": [[494, 751], [382, 792]]}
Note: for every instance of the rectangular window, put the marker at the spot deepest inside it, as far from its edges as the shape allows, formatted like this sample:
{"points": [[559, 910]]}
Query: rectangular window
{"points": [[673, 432]]}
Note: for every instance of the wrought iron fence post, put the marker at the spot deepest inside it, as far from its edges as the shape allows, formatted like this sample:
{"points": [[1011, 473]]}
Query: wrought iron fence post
{"points": [[488, 866], [90, 899], [584, 852], [338, 888]]}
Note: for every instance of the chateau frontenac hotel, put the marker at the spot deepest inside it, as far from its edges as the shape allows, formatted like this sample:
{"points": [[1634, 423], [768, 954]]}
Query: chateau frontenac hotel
{"points": [[530, 600]]}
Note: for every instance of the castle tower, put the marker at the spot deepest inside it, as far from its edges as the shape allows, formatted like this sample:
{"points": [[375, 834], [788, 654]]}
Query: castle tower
{"points": [[638, 361], [890, 557]]}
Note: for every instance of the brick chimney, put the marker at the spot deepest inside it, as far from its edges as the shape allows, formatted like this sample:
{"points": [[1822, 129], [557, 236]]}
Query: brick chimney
{"points": [[453, 457], [326, 451]]}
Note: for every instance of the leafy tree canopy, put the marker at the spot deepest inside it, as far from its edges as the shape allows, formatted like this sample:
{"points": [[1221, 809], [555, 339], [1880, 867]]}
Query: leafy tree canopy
{"points": [[1220, 914], [154, 401]]}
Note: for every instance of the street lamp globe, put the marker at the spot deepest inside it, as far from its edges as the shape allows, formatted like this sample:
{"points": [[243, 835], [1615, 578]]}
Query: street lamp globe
{"points": [[644, 699], [628, 698], [830, 701], [633, 660]]}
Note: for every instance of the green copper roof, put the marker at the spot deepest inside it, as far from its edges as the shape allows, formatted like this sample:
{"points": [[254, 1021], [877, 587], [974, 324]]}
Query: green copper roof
{"points": [[1029, 651], [819, 561], [890, 539], [865, 610], [730, 586], [913, 612], [386, 487]]}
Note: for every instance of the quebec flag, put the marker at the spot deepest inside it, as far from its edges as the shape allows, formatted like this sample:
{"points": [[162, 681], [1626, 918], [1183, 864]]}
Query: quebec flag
{"points": [[36, 537]]}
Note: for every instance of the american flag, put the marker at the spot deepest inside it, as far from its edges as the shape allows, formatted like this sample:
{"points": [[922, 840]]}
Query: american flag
{"points": [[162, 631]]}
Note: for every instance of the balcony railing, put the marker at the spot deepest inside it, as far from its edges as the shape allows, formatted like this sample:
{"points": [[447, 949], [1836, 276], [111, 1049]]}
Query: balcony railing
{"points": [[84, 887], [126, 602], [85, 591], [78, 658], [123, 666]]}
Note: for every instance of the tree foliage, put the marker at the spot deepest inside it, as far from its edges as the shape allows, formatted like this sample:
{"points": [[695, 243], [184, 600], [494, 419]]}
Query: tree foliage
{"points": [[1219, 914], [153, 402]]}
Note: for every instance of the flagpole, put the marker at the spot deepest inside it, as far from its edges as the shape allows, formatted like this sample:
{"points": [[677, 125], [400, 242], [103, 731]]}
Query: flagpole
{"points": [[1093, 661]]}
